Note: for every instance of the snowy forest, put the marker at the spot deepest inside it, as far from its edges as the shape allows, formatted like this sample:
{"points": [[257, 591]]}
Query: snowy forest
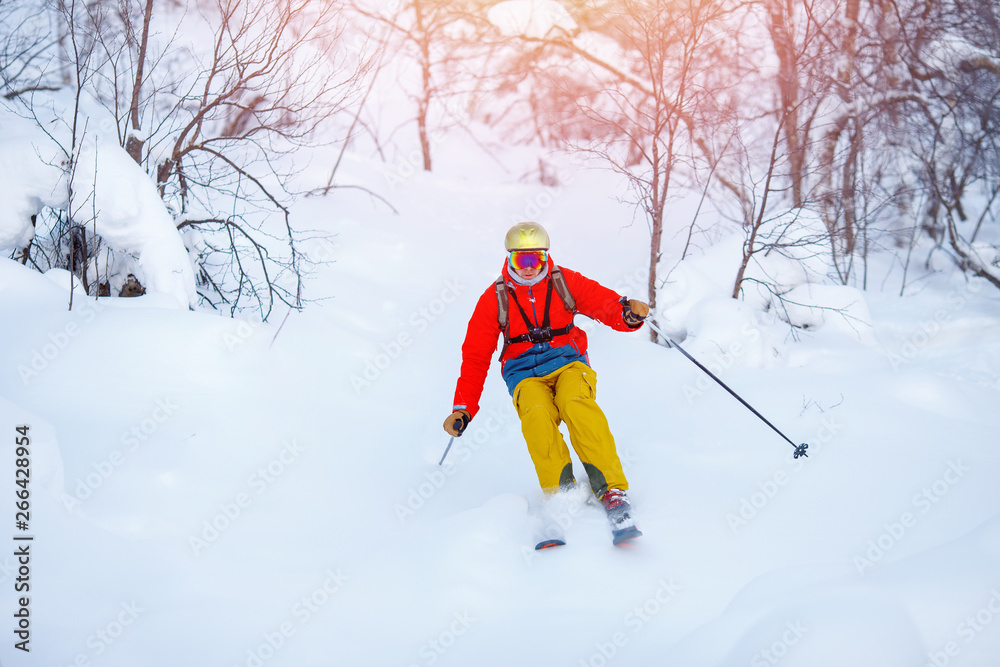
{"points": [[240, 245], [878, 118]]}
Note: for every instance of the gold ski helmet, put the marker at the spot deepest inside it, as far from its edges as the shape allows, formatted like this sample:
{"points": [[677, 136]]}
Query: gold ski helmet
{"points": [[527, 236]]}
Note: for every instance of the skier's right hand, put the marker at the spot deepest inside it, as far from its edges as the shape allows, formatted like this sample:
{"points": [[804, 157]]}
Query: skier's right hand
{"points": [[456, 422]]}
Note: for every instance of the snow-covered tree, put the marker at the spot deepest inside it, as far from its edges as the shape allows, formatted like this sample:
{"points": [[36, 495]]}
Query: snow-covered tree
{"points": [[212, 102]]}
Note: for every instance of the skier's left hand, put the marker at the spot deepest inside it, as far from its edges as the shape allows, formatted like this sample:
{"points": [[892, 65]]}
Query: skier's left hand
{"points": [[634, 311]]}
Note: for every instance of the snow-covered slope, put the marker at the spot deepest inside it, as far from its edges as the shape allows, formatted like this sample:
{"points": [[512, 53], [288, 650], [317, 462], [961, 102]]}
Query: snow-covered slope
{"points": [[212, 492]]}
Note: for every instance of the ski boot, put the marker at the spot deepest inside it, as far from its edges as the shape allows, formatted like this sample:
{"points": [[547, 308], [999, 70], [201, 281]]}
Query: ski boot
{"points": [[619, 511]]}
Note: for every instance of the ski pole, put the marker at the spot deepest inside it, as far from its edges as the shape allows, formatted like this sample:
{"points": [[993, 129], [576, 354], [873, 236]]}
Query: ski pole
{"points": [[800, 450], [441, 462]]}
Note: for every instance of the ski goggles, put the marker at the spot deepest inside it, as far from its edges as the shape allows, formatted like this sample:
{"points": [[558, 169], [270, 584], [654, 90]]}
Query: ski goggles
{"points": [[528, 259]]}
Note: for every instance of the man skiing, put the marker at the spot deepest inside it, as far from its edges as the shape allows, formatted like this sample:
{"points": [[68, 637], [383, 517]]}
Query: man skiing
{"points": [[545, 365]]}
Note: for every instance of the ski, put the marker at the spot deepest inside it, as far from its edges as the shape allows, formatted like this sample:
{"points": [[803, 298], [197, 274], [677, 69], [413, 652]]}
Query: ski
{"points": [[547, 531], [624, 535], [548, 544], [619, 536], [552, 514]]}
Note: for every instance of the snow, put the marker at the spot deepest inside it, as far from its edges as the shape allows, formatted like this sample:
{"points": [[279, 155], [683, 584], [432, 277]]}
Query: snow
{"points": [[212, 491], [791, 250], [131, 217], [113, 197], [810, 305], [29, 180]]}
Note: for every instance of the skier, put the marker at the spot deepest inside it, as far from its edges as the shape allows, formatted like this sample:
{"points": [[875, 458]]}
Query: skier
{"points": [[545, 365]]}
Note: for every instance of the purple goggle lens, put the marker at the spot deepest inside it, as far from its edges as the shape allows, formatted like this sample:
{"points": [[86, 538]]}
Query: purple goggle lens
{"points": [[528, 259]]}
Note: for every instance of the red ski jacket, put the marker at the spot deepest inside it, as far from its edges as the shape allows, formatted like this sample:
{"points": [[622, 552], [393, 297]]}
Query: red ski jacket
{"points": [[527, 359]]}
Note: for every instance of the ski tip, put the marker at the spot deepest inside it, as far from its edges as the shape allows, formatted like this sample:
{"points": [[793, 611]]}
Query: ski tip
{"points": [[548, 544], [625, 535]]}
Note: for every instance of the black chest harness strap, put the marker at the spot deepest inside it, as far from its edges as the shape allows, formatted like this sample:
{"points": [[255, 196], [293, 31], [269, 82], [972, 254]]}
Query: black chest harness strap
{"points": [[535, 334]]}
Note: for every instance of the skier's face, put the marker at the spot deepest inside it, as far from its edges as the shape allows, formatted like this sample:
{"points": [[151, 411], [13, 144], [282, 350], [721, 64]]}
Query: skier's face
{"points": [[528, 273], [528, 263]]}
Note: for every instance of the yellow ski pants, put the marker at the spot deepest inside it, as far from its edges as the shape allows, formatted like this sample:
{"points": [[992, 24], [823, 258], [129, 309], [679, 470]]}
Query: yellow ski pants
{"points": [[568, 395]]}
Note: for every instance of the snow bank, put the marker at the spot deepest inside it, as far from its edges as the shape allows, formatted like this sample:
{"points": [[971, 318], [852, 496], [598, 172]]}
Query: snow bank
{"points": [[799, 254], [795, 278], [696, 307], [688, 284], [132, 218], [30, 178], [109, 187], [920, 610], [843, 308], [724, 332], [802, 618], [788, 283]]}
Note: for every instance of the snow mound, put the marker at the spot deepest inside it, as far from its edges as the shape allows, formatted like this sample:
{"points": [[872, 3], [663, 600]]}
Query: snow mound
{"points": [[725, 333], [803, 618], [109, 187], [844, 308], [790, 277], [132, 218], [792, 249], [29, 180], [687, 285]]}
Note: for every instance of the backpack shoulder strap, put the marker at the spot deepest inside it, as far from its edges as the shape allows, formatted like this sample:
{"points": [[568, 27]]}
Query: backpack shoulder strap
{"points": [[562, 289], [502, 303]]}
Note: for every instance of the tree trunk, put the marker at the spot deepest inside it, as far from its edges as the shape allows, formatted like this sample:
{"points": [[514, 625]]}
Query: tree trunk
{"points": [[134, 145], [783, 37], [425, 93], [654, 260]]}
